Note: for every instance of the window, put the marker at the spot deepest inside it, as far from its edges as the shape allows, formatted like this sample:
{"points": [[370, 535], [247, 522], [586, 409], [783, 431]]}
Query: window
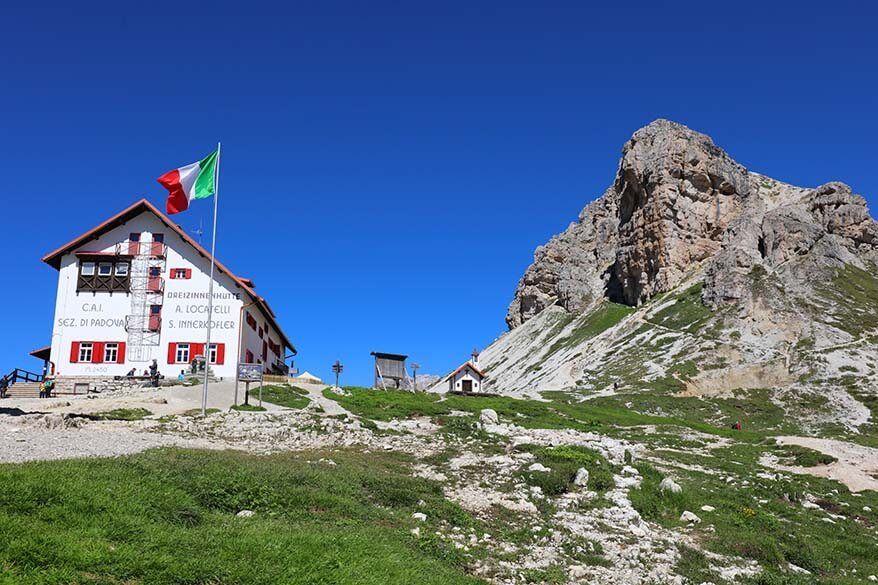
{"points": [[85, 349], [182, 356], [251, 321], [212, 353], [158, 245], [111, 352], [260, 333], [248, 357], [103, 276], [181, 273]]}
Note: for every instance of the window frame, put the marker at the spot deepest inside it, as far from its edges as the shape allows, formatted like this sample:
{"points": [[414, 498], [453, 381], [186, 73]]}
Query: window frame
{"points": [[102, 265], [179, 353], [125, 273], [85, 346], [212, 353], [111, 346], [84, 263]]}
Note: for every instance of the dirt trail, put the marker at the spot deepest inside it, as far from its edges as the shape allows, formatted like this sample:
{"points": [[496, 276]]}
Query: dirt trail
{"points": [[857, 465]]}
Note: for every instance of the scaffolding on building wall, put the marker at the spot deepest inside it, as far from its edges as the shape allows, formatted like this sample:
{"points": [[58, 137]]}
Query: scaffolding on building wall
{"points": [[144, 323]]}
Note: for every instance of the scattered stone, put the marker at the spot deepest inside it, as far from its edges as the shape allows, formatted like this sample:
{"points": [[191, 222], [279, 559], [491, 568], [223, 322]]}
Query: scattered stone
{"points": [[419, 516], [689, 517], [416, 531], [538, 467], [581, 478], [867, 509], [245, 514], [488, 416], [669, 485], [706, 508]]}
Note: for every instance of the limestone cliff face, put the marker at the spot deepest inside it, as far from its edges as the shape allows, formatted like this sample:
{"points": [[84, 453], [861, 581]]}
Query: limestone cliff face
{"points": [[679, 204]]}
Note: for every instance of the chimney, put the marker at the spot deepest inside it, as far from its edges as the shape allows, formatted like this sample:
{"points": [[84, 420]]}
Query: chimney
{"points": [[474, 359]]}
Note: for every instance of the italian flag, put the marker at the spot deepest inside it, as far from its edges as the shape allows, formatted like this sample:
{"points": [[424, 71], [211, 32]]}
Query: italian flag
{"points": [[195, 181]]}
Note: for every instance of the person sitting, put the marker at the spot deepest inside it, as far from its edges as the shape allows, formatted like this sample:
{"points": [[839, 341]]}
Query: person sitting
{"points": [[131, 373], [46, 388], [181, 376]]}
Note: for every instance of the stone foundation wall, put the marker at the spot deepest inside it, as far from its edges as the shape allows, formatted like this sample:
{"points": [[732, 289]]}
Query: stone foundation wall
{"points": [[85, 384]]}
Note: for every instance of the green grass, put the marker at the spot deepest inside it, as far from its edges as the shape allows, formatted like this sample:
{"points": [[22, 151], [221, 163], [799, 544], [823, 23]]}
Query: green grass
{"points": [[168, 517], [386, 405], [247, 408], [765, 521], [686, 313], [602, 318], [849, 300], [128, 414], [559, 413], [563, 463], [802, 456], [197, 411], [286, 396]]}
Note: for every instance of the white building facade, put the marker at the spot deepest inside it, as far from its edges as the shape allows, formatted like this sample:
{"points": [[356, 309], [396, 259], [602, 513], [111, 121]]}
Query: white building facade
{"points": [[467, 378], [134, 289]]}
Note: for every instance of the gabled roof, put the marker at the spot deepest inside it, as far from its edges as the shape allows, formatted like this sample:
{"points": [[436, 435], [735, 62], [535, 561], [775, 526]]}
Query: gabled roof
{"points": [[53, 258], [462, 367]]}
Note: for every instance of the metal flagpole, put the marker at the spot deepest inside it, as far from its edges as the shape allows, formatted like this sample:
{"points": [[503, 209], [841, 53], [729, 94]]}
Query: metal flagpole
{"points": [[210, 286]]}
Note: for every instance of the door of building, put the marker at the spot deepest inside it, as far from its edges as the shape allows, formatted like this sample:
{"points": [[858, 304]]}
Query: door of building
{"points": [[467, 385]]}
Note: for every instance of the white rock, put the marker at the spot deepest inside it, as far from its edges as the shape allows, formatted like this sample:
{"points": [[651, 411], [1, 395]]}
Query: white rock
{"points": [[867, 509], [581, 478], [538, 467], [706, 508], [873, 578], [689, 517], [628, 470], [419, 516], [245, 514], [416, 531], [669, 485], [810, 505], [488, 416]]}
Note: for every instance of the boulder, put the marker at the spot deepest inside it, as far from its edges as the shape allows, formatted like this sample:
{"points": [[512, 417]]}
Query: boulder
{"points": [[245, 514], [581, 478], [669, 485], [689, 518], [538, 467], [489, 416], [419, 516]]}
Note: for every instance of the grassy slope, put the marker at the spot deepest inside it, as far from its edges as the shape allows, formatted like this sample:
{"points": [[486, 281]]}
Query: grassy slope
{"points": [[755, 517], [168, 516], [286, 396]]}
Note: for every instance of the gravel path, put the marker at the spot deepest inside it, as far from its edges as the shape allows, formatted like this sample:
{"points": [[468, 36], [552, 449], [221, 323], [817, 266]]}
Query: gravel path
{"points": [[857, 466]]}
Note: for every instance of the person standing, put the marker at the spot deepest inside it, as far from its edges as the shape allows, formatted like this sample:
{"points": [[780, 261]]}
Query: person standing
{"points": [[154, 373], [4, 386]]}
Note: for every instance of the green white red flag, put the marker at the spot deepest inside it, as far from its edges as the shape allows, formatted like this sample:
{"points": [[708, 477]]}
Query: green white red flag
{"points": [[195, 181]]}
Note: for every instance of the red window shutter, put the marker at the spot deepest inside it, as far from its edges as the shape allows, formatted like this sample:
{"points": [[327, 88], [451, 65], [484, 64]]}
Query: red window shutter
{"points": [[74, 352], [196, 349], [264, 351], [172, 353], [249, 357], [97, 352], [120, 357], [220, 353], [188, 273]]}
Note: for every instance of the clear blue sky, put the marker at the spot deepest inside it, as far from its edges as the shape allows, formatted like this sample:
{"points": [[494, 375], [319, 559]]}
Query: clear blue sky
{"points": [[389, 167]]}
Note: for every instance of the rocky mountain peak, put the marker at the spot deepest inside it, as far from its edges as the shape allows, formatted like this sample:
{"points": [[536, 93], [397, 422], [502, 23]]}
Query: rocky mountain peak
{"points": [[678, 201]]}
